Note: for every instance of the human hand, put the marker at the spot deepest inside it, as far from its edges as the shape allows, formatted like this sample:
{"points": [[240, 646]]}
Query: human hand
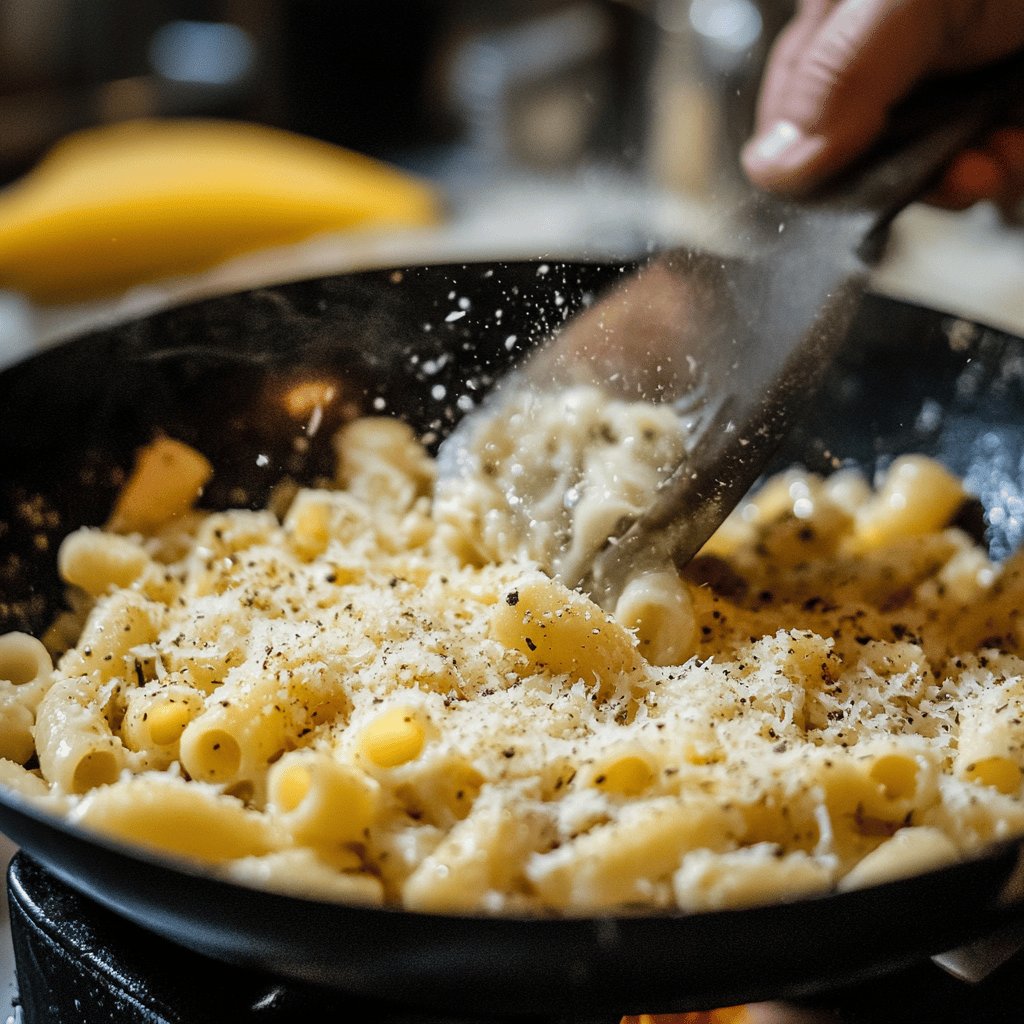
{"points": [[841, 65]]}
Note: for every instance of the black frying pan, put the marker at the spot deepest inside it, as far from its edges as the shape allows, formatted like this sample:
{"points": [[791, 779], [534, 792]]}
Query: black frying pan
{"points": [[212, 374]]}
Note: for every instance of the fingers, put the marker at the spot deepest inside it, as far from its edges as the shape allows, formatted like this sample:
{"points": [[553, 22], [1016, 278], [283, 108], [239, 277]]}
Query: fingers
{"points": [[973, 176], [1008, 147], [830, 83], [841, 65], [995, 173], [786, 55]]}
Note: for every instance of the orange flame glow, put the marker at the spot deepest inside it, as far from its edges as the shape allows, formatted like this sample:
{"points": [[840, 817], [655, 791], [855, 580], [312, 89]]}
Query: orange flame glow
{"points": [[726, 1015]]}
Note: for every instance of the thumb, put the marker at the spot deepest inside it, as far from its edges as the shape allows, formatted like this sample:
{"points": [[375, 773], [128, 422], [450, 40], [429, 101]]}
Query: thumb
{"points": [[825, 101]]}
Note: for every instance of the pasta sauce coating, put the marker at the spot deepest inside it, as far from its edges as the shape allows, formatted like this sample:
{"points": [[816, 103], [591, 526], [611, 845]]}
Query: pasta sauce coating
{"points": [[352, 702]]}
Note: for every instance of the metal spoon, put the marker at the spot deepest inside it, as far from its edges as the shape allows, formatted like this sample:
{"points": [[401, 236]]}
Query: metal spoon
{"points": [[738, 341]]}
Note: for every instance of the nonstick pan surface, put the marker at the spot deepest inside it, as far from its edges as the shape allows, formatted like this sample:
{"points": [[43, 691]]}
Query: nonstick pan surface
{"points": [[217, 375]]}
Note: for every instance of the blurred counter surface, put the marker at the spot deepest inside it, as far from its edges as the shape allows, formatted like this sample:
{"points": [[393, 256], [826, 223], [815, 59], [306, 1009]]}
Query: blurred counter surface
{"points": [[968, 264]]}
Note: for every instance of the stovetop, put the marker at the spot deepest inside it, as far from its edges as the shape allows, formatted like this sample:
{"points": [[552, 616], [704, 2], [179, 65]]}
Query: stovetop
{"points": [[78, 963]]}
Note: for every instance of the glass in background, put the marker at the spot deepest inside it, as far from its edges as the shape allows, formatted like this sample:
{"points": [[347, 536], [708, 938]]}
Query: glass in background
{"points": [[703, 88]]}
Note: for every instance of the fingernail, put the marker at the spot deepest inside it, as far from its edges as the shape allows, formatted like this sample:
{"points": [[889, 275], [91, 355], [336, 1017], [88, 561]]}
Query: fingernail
{"points": [[770, 146], [783, 157]]}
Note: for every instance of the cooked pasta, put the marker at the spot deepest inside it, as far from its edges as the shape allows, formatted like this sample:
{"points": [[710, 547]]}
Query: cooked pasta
{"points": [[25, 674], [367, 696]]}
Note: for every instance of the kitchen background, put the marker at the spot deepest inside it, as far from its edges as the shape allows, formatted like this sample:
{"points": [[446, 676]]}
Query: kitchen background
{"points": [[551, 127], [542, 83]]}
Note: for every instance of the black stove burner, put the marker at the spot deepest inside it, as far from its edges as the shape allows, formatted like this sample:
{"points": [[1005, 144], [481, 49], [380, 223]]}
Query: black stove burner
{"points": [[78, 963]]}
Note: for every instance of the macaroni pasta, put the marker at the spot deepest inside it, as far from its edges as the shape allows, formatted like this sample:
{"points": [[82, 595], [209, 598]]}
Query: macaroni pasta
{"points": [[371, 697]]}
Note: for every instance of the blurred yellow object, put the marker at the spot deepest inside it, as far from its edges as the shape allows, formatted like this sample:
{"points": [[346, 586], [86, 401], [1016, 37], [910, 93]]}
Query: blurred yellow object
{"points": [[115, 206]]}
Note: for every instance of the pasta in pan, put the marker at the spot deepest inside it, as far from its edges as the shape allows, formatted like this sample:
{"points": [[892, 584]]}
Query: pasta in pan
{"points": [[361, 699]]}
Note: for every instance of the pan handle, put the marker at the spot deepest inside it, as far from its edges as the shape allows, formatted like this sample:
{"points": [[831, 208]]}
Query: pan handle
{"points": [[974, 962]]}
